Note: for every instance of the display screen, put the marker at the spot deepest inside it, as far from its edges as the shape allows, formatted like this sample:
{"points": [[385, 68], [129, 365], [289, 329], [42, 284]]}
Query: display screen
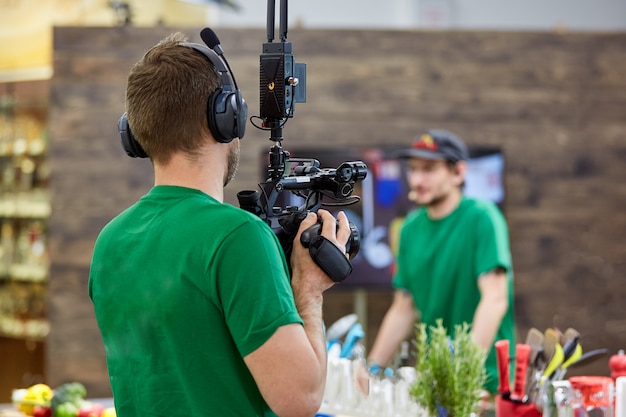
{"points": [[384, 201]]}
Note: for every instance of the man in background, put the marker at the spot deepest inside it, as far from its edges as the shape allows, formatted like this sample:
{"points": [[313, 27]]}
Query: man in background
{"points": [[193, 297], [453, 262]]}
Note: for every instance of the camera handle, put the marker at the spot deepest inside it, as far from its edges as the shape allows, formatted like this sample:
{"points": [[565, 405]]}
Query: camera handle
{"points": [[327, 256]]}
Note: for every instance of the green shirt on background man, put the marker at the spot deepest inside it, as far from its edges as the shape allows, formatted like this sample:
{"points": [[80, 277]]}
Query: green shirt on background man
{"points": [[440, 261]]}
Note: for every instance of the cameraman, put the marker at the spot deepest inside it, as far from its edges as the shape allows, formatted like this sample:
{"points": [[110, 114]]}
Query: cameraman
{"points": [[192, 296]]}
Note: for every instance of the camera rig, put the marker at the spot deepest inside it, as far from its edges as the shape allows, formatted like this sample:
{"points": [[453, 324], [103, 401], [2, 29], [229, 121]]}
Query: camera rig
{"points": [[282, 84]]}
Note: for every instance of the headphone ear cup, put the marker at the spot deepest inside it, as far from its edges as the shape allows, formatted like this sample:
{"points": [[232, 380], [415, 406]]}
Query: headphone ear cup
{"points": [[226, 114], [129, 143], [215, 110], [242, 114]]}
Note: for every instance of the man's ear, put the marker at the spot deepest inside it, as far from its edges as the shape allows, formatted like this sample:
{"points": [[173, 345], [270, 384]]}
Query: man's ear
{"points": [[459, 170]]}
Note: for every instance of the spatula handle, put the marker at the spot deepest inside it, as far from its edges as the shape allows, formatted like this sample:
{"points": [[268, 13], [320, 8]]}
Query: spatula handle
{"points": [[522, 357], [502, 358]]}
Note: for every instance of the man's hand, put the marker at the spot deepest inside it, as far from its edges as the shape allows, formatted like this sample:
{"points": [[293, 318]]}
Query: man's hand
{"points": [[305, 271]]}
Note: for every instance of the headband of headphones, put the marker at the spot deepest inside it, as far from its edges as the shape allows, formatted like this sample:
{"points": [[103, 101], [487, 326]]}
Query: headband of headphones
{"points": [[217, 62]]}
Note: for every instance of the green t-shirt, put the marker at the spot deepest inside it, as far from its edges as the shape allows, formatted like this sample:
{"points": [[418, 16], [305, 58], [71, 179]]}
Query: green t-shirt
{"points": [[439, 262], [183, 288]]}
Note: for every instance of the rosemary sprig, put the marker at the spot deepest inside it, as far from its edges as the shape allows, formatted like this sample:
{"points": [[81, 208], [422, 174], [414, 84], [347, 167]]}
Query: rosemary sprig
{"points": [[450, 373]]}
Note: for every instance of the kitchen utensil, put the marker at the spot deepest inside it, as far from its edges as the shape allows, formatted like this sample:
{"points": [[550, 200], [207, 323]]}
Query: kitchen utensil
{"points": [[522, 358], [577, 354], [355, 334], [570, 340], [534, 338], [589, 357], [339, 328], [555, 362], [550, 340], [560, 372], [502, 359], [553, 356], [568, 334], [571, 347]]}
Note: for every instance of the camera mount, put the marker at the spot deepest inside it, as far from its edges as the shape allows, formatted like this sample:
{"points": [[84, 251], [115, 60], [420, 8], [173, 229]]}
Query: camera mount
{"points": [[282, 84]]}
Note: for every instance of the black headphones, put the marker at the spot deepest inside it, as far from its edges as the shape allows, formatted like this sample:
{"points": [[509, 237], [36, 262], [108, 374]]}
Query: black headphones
{"points": [[227, 111]]}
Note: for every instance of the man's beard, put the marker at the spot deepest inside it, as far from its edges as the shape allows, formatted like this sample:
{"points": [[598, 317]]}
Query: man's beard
{"points": [[437, 200], [232, 163], [434, 201]]}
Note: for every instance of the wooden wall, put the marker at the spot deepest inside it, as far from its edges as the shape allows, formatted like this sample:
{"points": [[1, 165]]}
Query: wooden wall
{"points": [[555, 103]]}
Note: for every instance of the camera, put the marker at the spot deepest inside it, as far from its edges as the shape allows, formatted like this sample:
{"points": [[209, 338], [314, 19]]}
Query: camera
{"points": [[312, 183], [282, 84]]}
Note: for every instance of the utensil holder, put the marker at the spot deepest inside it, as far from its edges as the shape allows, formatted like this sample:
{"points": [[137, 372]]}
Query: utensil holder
{"points": [[508, 408]]}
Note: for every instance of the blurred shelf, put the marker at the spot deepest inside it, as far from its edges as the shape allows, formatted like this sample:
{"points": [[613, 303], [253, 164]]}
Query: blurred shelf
{"points": [[34, 329]]}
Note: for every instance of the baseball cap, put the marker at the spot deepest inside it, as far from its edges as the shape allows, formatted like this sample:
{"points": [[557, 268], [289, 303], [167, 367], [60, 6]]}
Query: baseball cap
{"points": [[436, 144]]}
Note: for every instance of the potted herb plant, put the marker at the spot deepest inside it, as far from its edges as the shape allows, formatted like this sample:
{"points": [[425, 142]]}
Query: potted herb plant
{"points": [[450, 371]]}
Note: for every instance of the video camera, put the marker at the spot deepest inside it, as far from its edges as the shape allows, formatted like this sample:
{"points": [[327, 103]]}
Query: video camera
{"points": [[282, 84]]}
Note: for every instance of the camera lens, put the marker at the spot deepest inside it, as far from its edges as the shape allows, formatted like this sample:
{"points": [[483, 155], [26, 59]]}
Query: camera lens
{"points": [[351, 171], [249, 201]]}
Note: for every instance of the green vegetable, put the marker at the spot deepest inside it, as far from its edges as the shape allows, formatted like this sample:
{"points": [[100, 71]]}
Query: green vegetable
{"points": [[67, 399], [450, 373], [67, 409]]}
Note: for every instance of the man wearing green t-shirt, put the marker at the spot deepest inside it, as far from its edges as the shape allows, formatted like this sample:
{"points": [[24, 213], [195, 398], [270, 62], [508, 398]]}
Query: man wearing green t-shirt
{"points": [[454, 261], [193, 298]]}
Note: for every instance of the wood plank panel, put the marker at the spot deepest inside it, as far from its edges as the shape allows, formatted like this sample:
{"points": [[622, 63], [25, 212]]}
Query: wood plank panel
{"points": [[553, 102]]}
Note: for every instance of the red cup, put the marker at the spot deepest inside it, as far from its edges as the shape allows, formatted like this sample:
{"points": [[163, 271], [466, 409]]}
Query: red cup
{"points": [[592, 391]]}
